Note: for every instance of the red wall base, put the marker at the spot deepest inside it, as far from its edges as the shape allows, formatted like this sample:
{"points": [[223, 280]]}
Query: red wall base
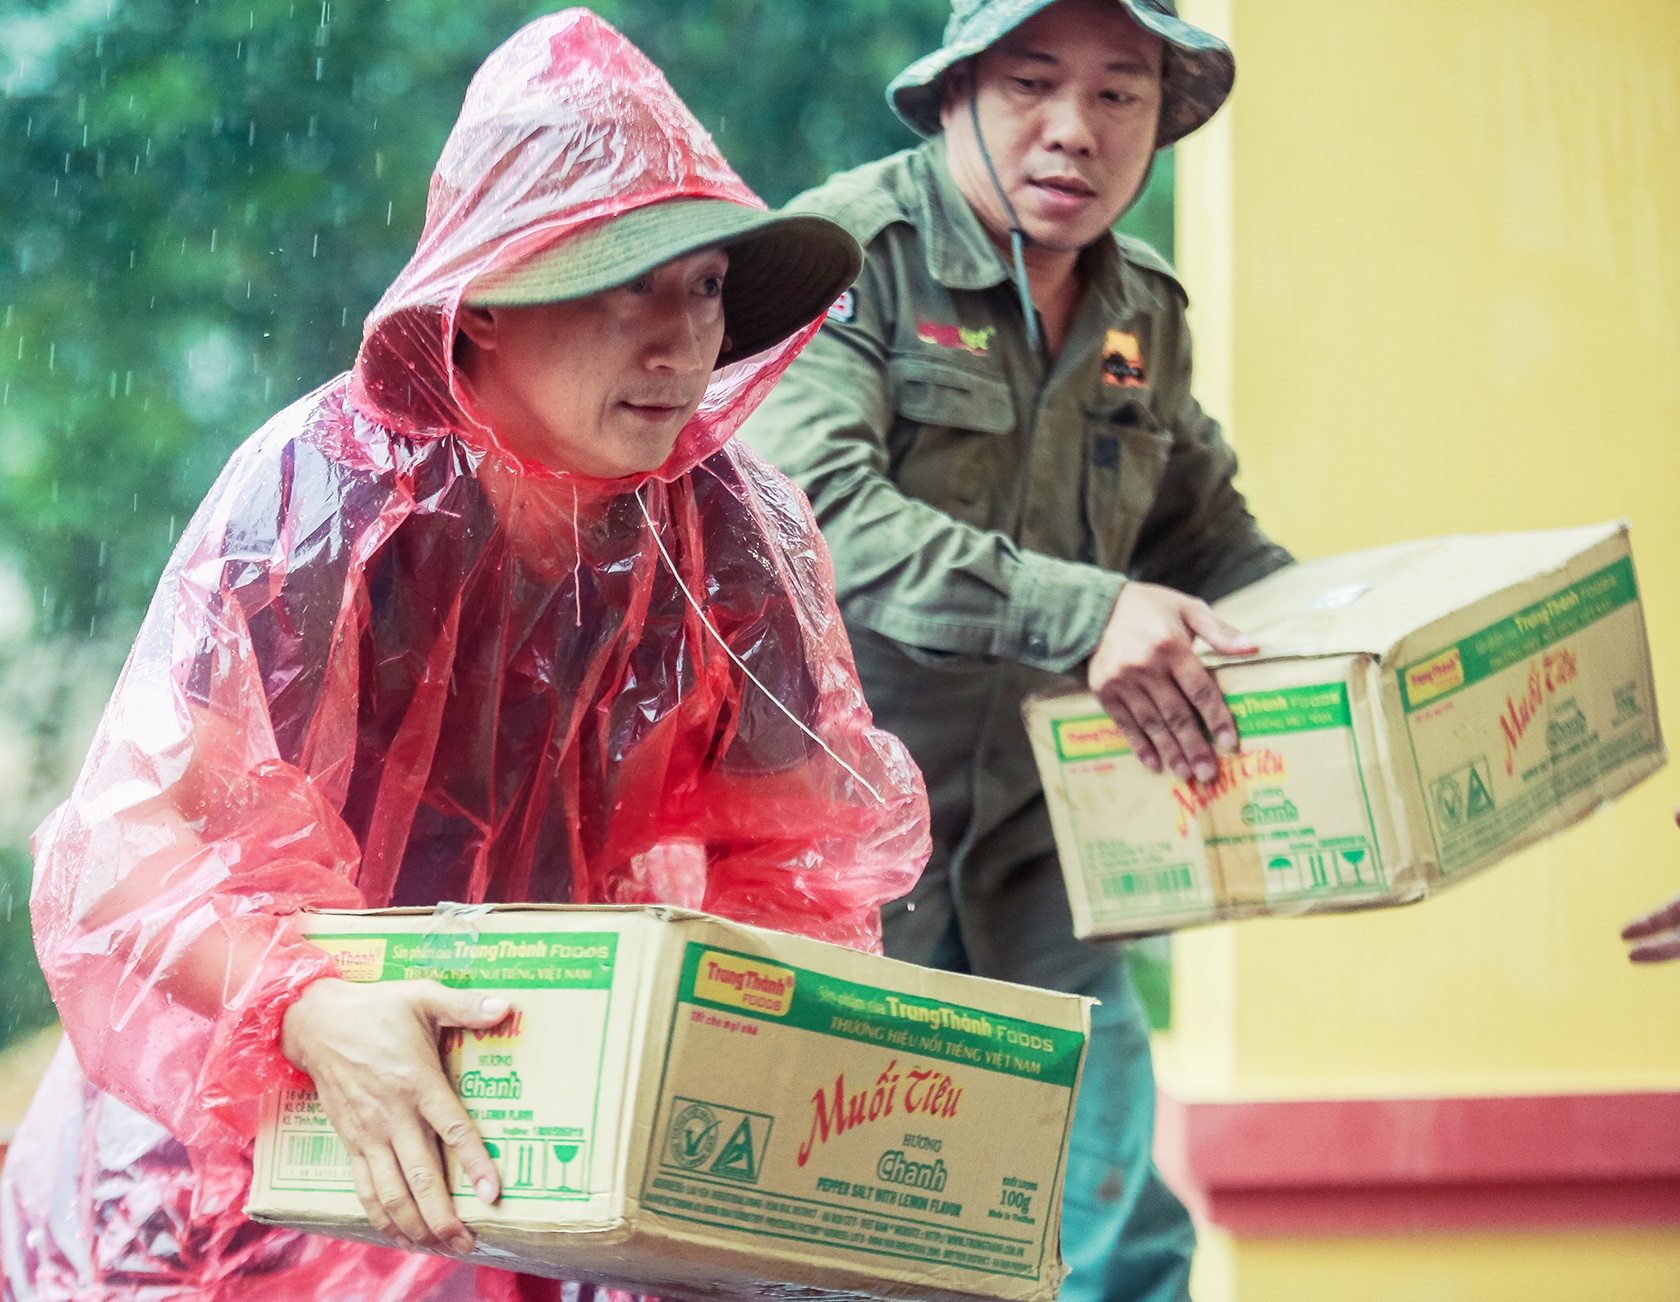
{"points": [[1346, 1166]]}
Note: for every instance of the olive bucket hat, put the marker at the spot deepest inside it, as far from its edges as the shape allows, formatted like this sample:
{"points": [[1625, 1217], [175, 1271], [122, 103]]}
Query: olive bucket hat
{"points": [[1197, 69], [784, 271]]}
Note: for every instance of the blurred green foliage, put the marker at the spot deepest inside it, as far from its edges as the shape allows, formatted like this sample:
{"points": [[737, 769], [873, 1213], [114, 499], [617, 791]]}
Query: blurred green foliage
{"points": [[24, 1003], [201, 202], [201, 199]]}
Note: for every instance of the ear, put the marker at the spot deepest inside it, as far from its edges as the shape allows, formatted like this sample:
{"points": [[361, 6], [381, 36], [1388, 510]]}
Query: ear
{"points": [[479, 325], [954, 87], [729, 343]]}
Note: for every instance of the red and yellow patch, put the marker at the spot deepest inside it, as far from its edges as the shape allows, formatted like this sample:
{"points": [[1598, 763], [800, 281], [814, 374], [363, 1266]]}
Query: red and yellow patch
{"points": [[1123, 361], [976, 340]]}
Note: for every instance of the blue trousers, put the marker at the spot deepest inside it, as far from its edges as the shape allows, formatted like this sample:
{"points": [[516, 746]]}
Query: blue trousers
{"points": [[1125, 1236]]}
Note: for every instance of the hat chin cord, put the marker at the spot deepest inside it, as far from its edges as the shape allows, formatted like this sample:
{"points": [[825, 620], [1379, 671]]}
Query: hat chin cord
{"points": [[1017, 236]]}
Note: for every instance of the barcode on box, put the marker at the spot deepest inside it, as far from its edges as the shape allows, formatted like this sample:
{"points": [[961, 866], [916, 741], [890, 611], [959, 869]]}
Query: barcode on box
{"points": [[316, 1157], [1174, 880]]}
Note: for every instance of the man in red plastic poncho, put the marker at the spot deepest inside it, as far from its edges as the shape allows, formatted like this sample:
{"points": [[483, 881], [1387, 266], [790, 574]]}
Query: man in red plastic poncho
{"points": [[503, 615]]}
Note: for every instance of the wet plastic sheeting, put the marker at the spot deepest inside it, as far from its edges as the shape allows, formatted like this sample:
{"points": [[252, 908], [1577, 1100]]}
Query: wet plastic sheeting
{"points": [[391, 664]]}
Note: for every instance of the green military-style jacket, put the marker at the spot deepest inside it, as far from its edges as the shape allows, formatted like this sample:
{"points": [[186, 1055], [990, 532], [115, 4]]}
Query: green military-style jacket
{"points": [[984, 506]]}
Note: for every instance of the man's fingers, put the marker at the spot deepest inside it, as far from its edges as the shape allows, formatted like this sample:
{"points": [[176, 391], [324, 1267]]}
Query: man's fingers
{"points": [[442, 1110], [445, 1115], [1180, 718], [1203, 693], [1142, 747], [390, 1192], [428, 1184], [448, 1007], [1666, 918], [1661, 950], [1141, 702], [362, 1178], [1224, 638]]}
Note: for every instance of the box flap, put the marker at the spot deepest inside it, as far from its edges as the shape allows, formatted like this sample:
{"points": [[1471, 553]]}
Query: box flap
{"points": [[1332, 606], [451, 911]]}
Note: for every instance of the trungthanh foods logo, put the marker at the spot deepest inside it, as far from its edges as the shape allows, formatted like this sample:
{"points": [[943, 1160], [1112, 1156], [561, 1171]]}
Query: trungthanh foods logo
{"points": [[1434, 677], [360, 958], [744, 983], [1095, 737]]}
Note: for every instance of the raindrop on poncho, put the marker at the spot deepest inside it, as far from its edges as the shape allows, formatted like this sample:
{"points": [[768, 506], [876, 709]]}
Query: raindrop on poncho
{"points": [[390, 664]]}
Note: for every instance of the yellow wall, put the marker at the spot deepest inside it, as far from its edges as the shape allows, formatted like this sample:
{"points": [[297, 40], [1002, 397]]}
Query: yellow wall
{"points": [[1434, 259], [1583, 1266], [1433, 251]]}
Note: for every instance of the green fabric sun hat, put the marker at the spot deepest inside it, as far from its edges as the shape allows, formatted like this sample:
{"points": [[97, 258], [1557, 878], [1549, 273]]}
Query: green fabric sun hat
{"points": [[784, 271], [1197, 71]]}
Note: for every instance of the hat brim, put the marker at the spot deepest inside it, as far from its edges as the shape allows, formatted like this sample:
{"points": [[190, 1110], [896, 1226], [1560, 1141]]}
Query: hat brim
{"points": [[1197, 72], [784, 270]]}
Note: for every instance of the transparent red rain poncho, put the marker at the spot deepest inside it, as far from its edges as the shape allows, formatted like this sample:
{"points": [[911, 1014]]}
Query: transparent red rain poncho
{"points": [[390, 664]]}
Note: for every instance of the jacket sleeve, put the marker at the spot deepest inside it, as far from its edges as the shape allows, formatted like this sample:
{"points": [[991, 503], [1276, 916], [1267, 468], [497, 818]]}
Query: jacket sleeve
{"points": [[1199, 536], [163, 885], [903, 568]]}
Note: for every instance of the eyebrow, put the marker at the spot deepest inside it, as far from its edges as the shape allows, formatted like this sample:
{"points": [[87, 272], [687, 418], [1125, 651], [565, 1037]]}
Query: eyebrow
{"points": [[1044, 57]]}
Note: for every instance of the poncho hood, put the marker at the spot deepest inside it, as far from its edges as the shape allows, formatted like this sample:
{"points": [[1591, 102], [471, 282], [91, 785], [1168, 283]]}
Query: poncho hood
{"points": [[565, 125]]}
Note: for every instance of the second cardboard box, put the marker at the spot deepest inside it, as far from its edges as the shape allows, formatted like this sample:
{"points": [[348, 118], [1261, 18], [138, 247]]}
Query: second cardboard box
{"points": [[1417, 713]]}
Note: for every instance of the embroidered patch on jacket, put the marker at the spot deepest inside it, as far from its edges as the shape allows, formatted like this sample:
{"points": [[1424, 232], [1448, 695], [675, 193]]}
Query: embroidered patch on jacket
{"points": [[845, 308], [974, 339], [1123, 361]]}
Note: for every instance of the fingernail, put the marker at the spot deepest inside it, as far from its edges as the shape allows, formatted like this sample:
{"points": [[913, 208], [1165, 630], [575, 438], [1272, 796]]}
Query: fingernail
{"points": [[1228, 742], [494, 1007], [1183, 771], [1206, 773], [1151, 762], [402, 1241], [461, 1243], [486, 1188]]}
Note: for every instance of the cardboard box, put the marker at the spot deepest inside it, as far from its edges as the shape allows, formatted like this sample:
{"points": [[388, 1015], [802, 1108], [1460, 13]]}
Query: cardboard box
{"points": [[686, 1107], [1418, 713]]}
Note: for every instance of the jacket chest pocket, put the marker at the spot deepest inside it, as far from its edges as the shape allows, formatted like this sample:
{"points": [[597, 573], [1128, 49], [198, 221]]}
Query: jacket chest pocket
{"points": [[949, 444], [1126, 457]]}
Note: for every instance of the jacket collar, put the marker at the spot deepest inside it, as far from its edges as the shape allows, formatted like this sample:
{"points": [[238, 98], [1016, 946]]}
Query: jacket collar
{"points": [[959, 254]]}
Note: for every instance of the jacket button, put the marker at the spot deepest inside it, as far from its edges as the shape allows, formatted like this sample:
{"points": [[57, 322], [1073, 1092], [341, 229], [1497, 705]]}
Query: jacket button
{"points": [[1037, 645]]}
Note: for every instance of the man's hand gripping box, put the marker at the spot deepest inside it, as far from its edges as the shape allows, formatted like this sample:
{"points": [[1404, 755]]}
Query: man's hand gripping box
{"points": [[1418, 712], [685, 1107]]}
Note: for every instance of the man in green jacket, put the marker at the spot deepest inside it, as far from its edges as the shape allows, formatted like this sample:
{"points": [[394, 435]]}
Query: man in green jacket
{"points": [[996, 430]]}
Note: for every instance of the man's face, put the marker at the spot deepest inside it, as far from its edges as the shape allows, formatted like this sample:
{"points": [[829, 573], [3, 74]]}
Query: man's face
{"points": [[1068, 103], [603, 385]]}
